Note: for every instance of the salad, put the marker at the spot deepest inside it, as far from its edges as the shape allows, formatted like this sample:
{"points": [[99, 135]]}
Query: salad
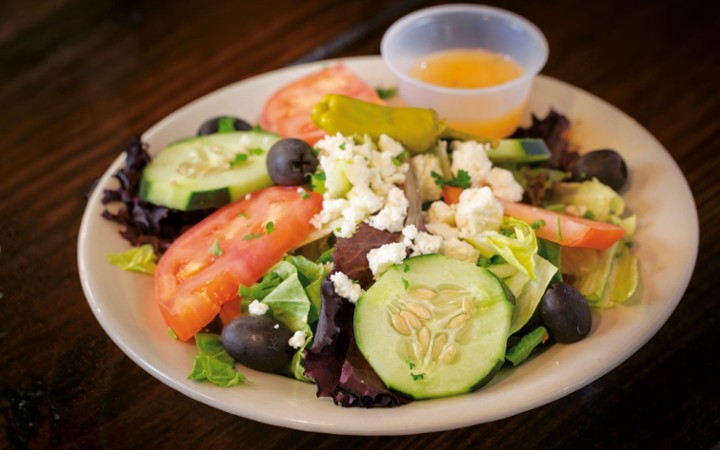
{"points": [[383, 263]]}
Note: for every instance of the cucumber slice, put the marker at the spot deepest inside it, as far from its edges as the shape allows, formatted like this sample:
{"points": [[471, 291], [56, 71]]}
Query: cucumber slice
{"points": [[208, 171], [519, 151], [434, 326]]}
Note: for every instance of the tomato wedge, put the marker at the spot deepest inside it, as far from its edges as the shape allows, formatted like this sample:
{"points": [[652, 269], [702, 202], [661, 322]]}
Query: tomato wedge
{"points": [[235, 245], [287, 111], [565, 230]]}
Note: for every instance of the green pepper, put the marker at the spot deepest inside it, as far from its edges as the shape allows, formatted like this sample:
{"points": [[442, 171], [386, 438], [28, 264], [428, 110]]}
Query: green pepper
{"points": [[418, 129]]}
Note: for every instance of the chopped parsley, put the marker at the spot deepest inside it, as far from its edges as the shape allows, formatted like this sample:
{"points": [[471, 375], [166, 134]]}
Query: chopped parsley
{"points": [[239, 159], [406, 268], [269, 227], [386, 93], [243, 214], [317, 182], [415, 376], [589, 215], [172, 334], [537, 224], [250, 236], [405, 283], [226, 125], [256, 151], [215, 250], [461, 180], [559, 231]]}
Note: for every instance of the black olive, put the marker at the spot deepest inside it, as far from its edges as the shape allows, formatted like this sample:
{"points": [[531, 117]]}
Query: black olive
{"points": [[224, 123], [566, 313], [258, 342], [290, 162], [606, 165]]}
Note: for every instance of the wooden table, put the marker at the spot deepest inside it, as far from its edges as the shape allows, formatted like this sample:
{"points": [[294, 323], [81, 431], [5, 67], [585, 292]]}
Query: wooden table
{"points": [[79, 77]]}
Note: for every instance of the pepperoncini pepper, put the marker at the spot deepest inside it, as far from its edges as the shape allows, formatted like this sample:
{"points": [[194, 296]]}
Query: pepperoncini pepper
{"points": [[418, 129]]}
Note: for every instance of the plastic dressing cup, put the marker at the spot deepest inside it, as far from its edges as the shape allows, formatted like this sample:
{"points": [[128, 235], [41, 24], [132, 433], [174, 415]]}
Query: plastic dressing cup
{"points": [[493, 111]]}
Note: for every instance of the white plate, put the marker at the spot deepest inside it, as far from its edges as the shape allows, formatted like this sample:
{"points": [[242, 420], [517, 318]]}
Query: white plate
{"points": [[666, 243]]}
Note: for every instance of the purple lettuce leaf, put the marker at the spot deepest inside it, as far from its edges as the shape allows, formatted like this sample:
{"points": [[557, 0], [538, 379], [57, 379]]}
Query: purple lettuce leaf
{"points": [[324, 359], [339, 369], [361, 386], [350, 256], [144, 222], [553, 130]]}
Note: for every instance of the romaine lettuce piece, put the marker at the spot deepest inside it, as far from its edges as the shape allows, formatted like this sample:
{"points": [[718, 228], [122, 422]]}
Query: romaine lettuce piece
{"points": [[138, 259], [623, 279], [600, 200], [516, 244], [213, 363], [528, 292]]}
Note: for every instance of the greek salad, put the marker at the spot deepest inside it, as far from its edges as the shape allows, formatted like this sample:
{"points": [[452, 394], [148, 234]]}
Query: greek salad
{"points": [[370, 249]]}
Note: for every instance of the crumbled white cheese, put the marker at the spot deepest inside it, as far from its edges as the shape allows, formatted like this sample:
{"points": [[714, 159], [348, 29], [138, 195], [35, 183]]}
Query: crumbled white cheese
{"points": [[471, 157], [409, 233], [425, 244], [390, 145], [392, 216], [442, 229], [423, 166], [257, 308], [382, 258], [364, 177], [345, 287], [298, 339], [461, 250], [503, 184], [478, 210], [441, 212]]}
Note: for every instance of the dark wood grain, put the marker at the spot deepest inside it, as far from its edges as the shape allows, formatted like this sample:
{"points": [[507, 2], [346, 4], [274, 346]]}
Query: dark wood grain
{"points": [[78, 77]]}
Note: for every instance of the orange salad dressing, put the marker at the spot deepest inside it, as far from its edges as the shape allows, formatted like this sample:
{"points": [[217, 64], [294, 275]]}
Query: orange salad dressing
{"points": [[472, 69]]}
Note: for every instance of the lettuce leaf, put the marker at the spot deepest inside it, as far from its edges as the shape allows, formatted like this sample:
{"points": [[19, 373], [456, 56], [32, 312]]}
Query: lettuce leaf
{"points": [[527, 291], [516, 245], [336, 365], [599, 199], [291, 290], [138, 259], [213, 363]]}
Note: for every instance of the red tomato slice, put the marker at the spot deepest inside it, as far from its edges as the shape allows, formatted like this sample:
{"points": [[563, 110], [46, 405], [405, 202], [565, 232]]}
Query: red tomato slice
{"points": [[235, 245], [287, 112], [566, 230]]}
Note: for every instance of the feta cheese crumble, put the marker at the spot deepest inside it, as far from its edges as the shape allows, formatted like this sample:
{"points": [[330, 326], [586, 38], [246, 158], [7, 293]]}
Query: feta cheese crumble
{"points": [[478, 211], [382, 258], [360, 177], [298, 339], [503, 184], [257, 308], [345, 287], [471, 157]]}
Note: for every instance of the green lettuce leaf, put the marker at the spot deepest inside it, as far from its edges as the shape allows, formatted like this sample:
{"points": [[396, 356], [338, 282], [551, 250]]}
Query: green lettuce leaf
{"points": [[213, 363], [291, 290], [138, 259], [599, 199], [528, 291], [516, 244]]}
